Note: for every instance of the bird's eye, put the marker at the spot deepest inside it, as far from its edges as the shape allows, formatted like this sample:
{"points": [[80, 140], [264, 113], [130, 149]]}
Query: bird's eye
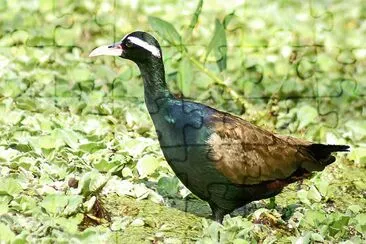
{"points": [[128, 43]]}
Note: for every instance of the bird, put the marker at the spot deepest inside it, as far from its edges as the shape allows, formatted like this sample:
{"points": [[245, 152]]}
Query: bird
{"points": [[221, 158]]}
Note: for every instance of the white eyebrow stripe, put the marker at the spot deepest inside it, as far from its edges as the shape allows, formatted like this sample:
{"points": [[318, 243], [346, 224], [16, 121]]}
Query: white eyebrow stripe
{"points": [[154, 50]]}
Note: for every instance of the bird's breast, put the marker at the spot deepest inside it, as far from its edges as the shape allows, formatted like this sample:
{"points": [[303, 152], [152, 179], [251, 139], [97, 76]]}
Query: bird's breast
{"points": [[183, 133]]}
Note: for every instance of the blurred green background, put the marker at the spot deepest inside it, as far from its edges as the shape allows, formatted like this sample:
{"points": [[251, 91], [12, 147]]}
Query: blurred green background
{"points": [[79, 158]]}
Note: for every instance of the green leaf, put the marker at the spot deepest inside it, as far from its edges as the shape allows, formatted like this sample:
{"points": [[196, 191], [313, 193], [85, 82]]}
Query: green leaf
{"points": [[147, 165], [185, 77], [47, 142], [168, 186], [80, 73], [21, 147], [317, 237], [306, 115], [92, 182], [196, 15], [61, 204], [24, 203], [166, 30], [4, 204], [357, 128], [306, 68], [338, 223], [10, 186], [358, 155], [6, 234], [70, 137], [90, 203], [26, 104], [303, 196], [227, 19], [92, 147], [305, 239], [355, 208], [54, 204], [240, 241], [120, 223], [137, 222], [219, 45], [361, 223], [74, 202], [104, 165], [70, 224], [141, 191], [313, 194], [213, 230], [134, 147], [322, 185], [10, 89], [314, 218], [127, 172]]}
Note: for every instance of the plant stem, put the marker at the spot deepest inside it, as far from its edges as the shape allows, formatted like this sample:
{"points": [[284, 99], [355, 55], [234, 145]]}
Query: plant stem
{"points": [[217, 80]]}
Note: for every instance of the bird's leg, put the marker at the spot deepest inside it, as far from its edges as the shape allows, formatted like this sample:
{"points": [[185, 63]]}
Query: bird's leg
{"points": [[217, 212]]}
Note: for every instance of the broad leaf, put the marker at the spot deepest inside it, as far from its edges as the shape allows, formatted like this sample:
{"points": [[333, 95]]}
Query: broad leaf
{"points": [[54, 204], [219, 45], [306, 115], [147, 165], [165, 30], [168, 186], [10, 186]]}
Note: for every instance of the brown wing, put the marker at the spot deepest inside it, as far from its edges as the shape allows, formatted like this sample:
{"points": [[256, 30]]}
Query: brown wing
{"points": [[247, 154]]}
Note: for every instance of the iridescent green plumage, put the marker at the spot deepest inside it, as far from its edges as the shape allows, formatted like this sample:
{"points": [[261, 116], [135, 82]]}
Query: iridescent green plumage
{"points": [[221, 158]]}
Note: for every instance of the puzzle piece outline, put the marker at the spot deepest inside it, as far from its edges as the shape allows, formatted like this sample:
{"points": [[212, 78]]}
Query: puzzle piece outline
{"points": [[321, 112]]}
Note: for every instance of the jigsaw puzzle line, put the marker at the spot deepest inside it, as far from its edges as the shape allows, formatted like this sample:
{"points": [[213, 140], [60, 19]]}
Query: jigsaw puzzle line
{"points": [[316, 97]]}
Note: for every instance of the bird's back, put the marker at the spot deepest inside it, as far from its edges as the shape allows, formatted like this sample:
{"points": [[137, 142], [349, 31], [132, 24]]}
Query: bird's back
{"points": [[228, 161]]}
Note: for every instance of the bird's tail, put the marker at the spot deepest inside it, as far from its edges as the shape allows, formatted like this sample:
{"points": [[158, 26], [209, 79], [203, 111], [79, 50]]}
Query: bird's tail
{"points": [[322, 152]]}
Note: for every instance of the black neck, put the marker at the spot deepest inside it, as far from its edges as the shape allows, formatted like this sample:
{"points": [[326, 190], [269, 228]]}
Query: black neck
{"points": [[153, 74]]}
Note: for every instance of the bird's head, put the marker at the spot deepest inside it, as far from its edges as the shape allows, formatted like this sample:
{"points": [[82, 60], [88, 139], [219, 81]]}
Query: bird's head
{"points": [[137, 46]]}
